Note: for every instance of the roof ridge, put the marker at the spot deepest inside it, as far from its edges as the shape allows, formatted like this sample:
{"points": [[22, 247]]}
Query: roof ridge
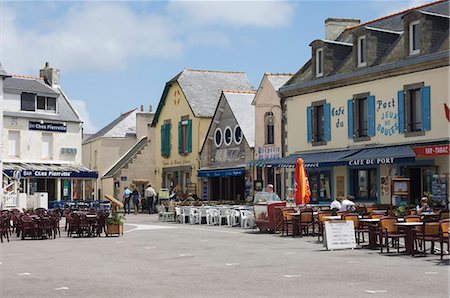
{"points": [[26, 77], [239, 91], [396, 13], [127, 112], [215, 71], [278, 74]]}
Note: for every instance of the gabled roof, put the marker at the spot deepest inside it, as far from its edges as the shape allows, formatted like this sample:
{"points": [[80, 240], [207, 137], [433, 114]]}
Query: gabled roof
{"points": [[126, 158], [17, 85], [202, 89], [241, 106], [277, 80], [122, 126]]}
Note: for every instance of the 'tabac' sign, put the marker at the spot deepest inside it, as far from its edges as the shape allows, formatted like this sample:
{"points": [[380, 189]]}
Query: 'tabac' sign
{"points": [[432, 150]]}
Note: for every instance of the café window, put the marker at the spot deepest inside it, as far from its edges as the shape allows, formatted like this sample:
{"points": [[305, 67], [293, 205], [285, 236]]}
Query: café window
{"points": [[414, 38], [320, 185], [270, 128], [362, 45], [361, 117], [364, 183], [318, 124], [319, 62], [414, 109]]}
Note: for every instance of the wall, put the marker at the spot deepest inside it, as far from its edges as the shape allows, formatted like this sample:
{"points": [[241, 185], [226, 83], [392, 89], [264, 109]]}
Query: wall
{"points": [[385, 92]]}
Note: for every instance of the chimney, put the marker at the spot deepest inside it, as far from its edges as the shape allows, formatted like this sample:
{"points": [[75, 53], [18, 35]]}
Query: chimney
{"points": [[142, 108], [150, 109], [335, 26], [50, 75]]}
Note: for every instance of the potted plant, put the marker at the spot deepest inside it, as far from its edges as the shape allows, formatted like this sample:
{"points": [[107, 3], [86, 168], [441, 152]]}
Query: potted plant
{"points": [[114, 224]]}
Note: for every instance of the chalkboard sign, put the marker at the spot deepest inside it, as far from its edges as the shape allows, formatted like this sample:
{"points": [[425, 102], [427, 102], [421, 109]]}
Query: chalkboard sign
{"points": [[339, 234]]}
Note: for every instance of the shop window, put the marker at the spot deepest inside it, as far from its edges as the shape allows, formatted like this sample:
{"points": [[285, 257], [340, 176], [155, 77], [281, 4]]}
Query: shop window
{"points": [[362, 45], [414, 38], [361, 117], [237, 134], [13, 143], [364, 183], [259, 173], [318, 123], [88, 189], [218, 137], [185, 135], [165, 138], [319, 63], [77, 189], [320, 185], [270, 128], [414, 109], [27, 102]]}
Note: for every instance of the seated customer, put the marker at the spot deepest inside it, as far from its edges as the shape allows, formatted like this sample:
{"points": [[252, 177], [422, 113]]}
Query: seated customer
{"points": [[335, 206], [423, 207], [347, 204]]}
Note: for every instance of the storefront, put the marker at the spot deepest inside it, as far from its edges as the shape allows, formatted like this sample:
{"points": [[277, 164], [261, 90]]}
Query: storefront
{"points": [[179, 179], [60, 182]]}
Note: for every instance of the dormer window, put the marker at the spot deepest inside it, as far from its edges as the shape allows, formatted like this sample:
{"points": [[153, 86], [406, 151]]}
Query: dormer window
{"points": [[319, 62], [414, 38], [362, 53]]}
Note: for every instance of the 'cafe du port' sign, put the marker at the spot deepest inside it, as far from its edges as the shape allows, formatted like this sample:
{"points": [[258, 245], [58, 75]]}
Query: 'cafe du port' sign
{"points": [[47, 126]]}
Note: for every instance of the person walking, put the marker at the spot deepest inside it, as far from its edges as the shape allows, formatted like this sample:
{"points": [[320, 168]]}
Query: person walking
{"points": [[136, 198], [150, 195], [126, 199]]}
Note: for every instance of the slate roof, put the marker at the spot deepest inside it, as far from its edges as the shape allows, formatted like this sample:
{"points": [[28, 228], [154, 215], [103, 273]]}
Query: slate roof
{"points": [[17, 85], [390, 36], [122, 126], [244, 112], [126, 158], [202, 89], [278, 79]]}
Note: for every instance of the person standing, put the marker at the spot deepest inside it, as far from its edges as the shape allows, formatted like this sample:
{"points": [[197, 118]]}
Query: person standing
{"points": [[273, 195], [150, 195], [136, 199], [126, 199]]}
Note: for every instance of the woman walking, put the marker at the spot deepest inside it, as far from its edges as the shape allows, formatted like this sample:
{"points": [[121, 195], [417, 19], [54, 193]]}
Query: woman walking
{"points": [[136, 199]]}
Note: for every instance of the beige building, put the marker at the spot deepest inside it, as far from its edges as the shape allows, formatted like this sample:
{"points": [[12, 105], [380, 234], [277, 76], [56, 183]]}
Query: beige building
{"points": [[123, 153], [369, 112], [182, 120]]}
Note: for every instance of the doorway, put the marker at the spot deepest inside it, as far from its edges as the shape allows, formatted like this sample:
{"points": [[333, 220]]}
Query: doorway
{"points": [[415, 176]]}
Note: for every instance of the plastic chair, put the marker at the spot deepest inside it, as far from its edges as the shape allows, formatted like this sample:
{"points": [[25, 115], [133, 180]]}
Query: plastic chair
{"points": [[233, 218], [247, 219], [223, 214], [194, 216], [212, 216]]}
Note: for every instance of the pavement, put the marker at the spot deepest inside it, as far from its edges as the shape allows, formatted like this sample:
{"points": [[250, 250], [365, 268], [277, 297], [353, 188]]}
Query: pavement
{"points": [[155, 259]]}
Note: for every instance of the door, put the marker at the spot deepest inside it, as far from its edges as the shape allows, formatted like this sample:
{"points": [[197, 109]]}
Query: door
{"points": [[415, 174]]}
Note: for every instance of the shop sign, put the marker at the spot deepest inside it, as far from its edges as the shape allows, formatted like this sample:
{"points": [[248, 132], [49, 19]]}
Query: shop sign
{"points": [[432, 150], [268, 152], [69, 151], [47, 126], [58, 174], [371, 161]]}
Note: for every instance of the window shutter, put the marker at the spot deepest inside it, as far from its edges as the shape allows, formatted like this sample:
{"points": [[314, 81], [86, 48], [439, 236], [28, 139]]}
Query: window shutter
{"points": [[371, 116], [426, 108], [168, 146], [308, 123], [180, 145], [163, 135], [189, 144], [350, 118], [401, 111], [327, 121]]}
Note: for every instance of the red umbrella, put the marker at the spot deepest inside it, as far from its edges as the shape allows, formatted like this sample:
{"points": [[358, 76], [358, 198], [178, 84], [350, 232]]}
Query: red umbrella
{"points": [[302, 192]]}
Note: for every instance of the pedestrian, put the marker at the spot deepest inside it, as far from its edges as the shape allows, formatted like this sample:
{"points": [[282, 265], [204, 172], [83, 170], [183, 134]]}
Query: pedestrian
{"points": [[150, 195], [136, 198], [126, 199]]}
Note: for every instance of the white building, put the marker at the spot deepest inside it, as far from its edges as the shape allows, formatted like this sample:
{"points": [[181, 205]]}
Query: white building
{"points": [[42, 135]]}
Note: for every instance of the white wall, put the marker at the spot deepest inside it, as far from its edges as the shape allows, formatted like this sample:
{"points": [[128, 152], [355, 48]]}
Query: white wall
{"points": [[11, 102]]}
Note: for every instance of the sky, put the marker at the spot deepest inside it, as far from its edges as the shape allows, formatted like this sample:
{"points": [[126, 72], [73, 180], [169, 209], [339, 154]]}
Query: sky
{"points": [[117, 55]]}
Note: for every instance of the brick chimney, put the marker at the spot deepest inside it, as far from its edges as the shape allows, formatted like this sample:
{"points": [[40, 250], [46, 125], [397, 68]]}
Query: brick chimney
{"points": [[50, 75], [335, 26]]}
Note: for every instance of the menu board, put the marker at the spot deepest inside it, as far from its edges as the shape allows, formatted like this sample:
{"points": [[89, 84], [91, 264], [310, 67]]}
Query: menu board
{"points": [[439, 189], [339, 234]]}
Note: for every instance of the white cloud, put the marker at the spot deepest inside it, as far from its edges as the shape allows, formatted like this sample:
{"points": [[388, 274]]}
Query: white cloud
{"points": [[387, 7], [80, 107], [236, 13]]}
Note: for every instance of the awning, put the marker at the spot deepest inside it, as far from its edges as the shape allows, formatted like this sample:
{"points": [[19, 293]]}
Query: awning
{"points": [[381, 155], [39, 170], [221, 172]]}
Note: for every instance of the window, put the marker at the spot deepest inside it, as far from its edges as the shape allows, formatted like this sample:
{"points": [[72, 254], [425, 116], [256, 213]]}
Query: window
{"points": [[47, 145], [270, 128], [237, 135], [165, 138], [364, 182], [218, 137], [27, 102], [360, 116], [414, 38], [41, 103], [184, 135], [414, 109], [414, 98], [362, 51], [51, 104], [318, 124], [319, 62], [320, 184], [227, 136], [13, 143]]}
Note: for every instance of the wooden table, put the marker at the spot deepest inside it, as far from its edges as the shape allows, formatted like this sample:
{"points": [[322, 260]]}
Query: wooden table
{"points": [[333, 217], [296, 224], [409, 231], [372, 223]]}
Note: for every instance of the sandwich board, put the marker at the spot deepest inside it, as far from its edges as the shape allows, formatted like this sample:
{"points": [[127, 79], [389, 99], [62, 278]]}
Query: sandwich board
{"points": [[339, 234]]}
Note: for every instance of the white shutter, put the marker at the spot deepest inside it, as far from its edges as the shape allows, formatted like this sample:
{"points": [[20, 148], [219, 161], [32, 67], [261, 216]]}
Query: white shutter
{"points": [[47, 144], [13, 143]]}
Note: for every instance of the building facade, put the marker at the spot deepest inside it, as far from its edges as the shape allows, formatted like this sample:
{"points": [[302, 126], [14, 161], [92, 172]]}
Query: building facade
{"points": [[369, 112], [42, 134], [181, 123], [225, 156]]}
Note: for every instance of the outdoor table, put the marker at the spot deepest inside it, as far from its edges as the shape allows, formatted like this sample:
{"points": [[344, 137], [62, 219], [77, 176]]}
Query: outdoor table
{"points": [[333, 217], [409, 230], [295, 223], [372, 223]]}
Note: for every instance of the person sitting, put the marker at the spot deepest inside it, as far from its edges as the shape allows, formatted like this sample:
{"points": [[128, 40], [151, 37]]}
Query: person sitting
{"points": [[335, 206], [423, 207], [273, 195], [347, 204]]}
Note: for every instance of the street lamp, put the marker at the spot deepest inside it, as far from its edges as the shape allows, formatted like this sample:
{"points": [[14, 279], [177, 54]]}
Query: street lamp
{"points": [[270, 119]]}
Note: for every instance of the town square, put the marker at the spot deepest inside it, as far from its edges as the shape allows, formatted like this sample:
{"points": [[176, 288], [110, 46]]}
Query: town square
{"points": [[224, 148]]}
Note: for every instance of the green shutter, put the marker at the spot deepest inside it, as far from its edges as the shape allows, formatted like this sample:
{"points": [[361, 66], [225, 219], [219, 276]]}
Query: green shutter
{"points": [[163, 131], [168, 146], [180, 144], [189, 136]]}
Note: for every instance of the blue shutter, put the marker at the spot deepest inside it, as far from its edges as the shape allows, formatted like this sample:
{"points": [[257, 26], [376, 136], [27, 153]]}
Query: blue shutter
{"points": [[401, 111], [426, 108], [350, 118], [163, 132], [371, 116], [327, 121], [189, 144], [309, 123], [180, 145]]}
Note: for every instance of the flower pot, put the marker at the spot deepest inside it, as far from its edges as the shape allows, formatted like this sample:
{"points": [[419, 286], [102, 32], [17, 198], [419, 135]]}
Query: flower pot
{"points": [[114, 229]]}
